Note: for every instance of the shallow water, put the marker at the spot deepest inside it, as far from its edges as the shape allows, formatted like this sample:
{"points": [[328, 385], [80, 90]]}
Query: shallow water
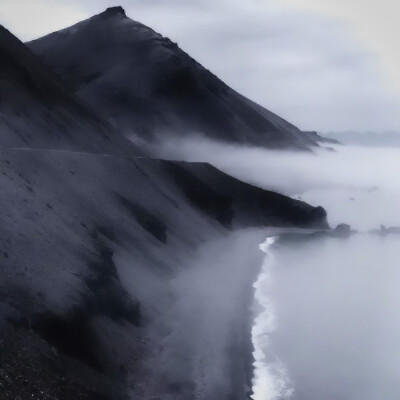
{"points": [[335, 303], [335, 307], [363, 208]]}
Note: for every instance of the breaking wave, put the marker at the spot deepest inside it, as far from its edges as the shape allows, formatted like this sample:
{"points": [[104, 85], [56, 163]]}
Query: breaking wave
{"points": [[270, 377]]}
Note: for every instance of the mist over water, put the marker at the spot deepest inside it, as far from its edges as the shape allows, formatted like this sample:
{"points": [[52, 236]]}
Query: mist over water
{"points": [[357, 185], [329, 324], [336, 302], [337, 308]]}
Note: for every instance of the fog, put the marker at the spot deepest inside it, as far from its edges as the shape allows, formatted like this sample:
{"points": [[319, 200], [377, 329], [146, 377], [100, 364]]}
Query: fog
{"points": [[370, 139], [199, 333], [328, 322], [332, 166], [356, 184], [337, 309]]}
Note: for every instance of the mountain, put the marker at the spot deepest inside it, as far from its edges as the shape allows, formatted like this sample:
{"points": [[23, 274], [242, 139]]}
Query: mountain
{"points": [[147, 86], [122, 277], [38, 111]]}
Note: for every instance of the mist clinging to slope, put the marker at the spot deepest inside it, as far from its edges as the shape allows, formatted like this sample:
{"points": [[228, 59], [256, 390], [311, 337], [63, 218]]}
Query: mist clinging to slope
{"points": [[294, 172], [349, 181]]}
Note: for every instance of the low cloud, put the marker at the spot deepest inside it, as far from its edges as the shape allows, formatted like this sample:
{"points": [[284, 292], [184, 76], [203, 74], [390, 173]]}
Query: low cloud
{"points": [[358, 185], [294, 172]]}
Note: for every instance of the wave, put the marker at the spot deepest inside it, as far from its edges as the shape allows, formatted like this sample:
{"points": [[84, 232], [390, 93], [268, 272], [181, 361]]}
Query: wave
{"points": [[270, 377]]}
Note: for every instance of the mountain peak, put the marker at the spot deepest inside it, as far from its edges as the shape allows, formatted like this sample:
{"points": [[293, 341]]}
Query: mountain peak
{"points": [[165, 90], [111, 11]]}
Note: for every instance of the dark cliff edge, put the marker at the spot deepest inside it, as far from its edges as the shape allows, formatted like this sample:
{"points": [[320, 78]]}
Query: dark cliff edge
{"points": [[251, 205]]}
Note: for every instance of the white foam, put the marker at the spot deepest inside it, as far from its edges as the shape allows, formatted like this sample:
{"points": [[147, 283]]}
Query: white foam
{"points": [[270, 378]]}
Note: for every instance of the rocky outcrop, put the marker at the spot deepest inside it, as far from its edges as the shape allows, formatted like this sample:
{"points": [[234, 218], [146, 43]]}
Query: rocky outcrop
{"points": [[384, 231], [342, 231]]}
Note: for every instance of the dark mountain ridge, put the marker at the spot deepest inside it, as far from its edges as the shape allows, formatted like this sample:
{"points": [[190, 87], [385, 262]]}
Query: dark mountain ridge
{"points": [[37, 110], [147, 86]]}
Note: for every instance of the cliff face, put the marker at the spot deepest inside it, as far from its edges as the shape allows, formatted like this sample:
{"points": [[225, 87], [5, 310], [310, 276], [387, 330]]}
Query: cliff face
{"points": [[147, 86], [122, 277]]}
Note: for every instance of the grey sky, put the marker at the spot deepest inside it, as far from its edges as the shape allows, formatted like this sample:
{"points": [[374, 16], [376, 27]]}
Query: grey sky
{"points": [[312, 62]]}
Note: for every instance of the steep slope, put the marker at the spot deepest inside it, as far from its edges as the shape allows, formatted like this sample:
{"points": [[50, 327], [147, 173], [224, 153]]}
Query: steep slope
{"points": [[111, 282], [146, 85], [38, 111], [112, 265]]}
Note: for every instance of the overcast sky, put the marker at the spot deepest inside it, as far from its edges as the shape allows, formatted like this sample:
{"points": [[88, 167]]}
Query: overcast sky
{"points": [[322, 64]]}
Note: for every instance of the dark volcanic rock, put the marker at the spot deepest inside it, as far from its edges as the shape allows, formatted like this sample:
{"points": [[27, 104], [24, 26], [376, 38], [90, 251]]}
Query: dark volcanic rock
{"points": [[30, 370], [233, 200], [342, 230], [153, 224], [112, 11], [38, 111], [100, 277], [146, 85]]}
